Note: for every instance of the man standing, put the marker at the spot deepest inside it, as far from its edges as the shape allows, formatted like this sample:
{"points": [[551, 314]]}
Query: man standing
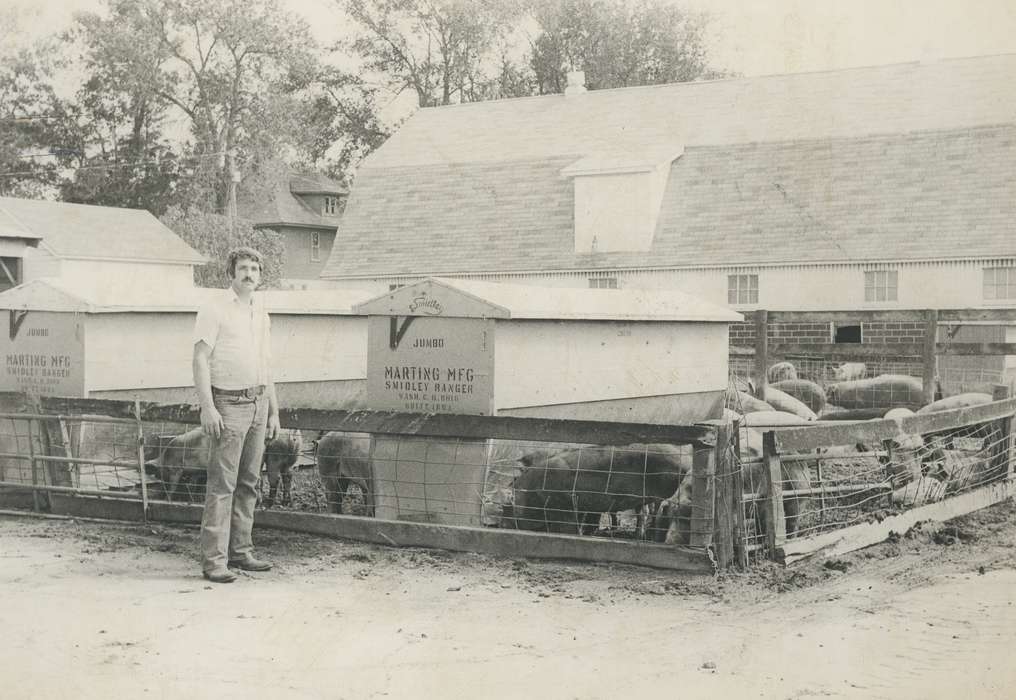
{"points": [[238, 408]]}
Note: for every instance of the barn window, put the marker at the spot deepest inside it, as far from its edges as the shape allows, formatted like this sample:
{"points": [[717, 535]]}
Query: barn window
{"points": [[603, 283], [847, 332], [315, 246], [880, 285], [999, 283], [331, 206], [742, 289]]}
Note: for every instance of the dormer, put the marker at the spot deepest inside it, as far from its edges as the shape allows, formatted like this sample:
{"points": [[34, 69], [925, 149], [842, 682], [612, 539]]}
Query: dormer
{"points": [[618, 193], [320, 194]]}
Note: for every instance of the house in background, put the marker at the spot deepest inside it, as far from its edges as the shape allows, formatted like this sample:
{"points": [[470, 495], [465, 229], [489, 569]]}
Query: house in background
{"points": [[92, 247], [15, 240], [889, 187], [305, 208]]}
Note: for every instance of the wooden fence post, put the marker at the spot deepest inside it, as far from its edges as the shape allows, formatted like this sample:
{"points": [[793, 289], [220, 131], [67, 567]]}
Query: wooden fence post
{"points": [[727, 502], [740, 536], [1002, 461], [776, 524], [929, 359], [761, 353], [141, 462], [703, 493]]}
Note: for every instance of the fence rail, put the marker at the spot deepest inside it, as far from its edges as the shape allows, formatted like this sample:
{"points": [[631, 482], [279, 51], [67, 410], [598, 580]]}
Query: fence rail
{"points": [[428, 473]]}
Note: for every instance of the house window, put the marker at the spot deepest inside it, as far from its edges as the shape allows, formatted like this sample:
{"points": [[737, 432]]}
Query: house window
{"points": [[315, 246], [10, 273], [880, 285], [742, 289], [999, 283], [847, 332], [603, 283], [331, 206]]}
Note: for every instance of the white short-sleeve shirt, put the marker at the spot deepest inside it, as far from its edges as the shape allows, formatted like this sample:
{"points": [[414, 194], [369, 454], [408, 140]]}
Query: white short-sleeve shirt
{"points": [[239, 336]]}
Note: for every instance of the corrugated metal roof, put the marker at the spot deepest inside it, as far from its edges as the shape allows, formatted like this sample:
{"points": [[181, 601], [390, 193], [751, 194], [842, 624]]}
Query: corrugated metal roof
{"points": [[99, 233], [518, 301], [54, 294]]}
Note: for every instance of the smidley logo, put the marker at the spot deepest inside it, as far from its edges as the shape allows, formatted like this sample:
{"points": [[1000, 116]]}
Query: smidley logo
{"points": [[17, 318], [426, 305]]}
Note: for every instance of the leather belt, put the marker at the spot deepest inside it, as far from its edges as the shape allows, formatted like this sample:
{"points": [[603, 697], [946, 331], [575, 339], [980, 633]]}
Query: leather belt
{"points": [[251, 392]]}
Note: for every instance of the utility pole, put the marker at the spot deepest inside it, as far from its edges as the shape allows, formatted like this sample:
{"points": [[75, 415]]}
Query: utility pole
{"points": [[234, 180]]}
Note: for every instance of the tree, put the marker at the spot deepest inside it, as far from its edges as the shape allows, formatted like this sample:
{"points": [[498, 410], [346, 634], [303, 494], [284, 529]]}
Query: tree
{"points": [[28, 110], [231, 67], [214, 235], [618, 43], [440, 49], [113, 128]]}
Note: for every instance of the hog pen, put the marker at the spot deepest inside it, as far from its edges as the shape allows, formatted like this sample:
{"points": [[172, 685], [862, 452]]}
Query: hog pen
{"points": [[460, 505], [450, 481]]}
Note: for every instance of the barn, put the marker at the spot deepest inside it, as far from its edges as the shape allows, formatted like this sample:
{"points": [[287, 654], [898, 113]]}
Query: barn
{"points": [[878, 188]]}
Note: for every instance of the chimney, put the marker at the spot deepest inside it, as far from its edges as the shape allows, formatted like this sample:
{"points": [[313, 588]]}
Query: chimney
{"points": [[576, 83]]}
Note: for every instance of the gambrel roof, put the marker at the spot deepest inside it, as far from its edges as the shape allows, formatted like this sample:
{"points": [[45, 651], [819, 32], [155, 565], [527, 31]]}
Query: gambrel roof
{"points": [[914, 161]]}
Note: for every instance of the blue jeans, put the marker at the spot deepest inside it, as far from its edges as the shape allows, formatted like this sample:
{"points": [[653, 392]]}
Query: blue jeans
{"points": [[233, 472]]}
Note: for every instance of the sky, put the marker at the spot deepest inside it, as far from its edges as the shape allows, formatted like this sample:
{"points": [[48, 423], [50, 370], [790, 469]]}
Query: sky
{"points": [[750, 37]]}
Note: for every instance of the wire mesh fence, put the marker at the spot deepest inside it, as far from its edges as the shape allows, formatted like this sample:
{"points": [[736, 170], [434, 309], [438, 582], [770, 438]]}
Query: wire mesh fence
{"points": [[840, 485]]}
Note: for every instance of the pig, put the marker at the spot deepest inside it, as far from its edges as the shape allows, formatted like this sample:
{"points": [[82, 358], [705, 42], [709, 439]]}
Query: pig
{"points": [[954, 402], [183, 464], [745, 403], [569, 491], [343, 460], [809, 393], [849, 371], [280, 456], [782, 401], [793, 475], [781, 371], [882, 392]]}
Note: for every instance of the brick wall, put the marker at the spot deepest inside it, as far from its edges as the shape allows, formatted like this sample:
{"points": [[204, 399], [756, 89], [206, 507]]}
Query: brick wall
{"points": [[874, 333]]}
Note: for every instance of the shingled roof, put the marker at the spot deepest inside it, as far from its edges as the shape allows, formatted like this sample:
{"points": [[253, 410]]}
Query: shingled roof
{"points": [[903, 162], [284, 206], [86, 232]]}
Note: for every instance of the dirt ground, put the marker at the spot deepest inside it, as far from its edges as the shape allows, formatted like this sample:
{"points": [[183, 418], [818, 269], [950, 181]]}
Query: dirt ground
{"points": [[112, 610]]}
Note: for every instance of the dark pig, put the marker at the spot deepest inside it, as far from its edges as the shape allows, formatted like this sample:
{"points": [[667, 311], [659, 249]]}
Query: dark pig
{"points": [[280, 456], [568, 492], [343, 459]]}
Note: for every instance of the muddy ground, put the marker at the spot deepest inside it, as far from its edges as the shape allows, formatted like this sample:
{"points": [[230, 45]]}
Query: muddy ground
{"points": [[111, 610]]}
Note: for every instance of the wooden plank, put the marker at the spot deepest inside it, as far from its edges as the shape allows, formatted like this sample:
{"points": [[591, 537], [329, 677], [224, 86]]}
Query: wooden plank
{"points": [[420, 424], [703, 497], [494, 541], [911, 315], [772, 474], [975, 349], [970, 315], [847, 350], [876, 350], [872, 432], [929, 361], [760, 371], [726, 501], [866, 534]]}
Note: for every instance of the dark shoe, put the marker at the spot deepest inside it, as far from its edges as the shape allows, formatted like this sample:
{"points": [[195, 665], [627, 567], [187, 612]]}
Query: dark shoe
{"points": [[219, 576], [249, 563]]}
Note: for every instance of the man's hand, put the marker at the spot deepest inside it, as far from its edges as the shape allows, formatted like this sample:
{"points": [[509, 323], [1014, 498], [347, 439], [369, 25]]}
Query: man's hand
{"points": [[211, 422], [273, 426]]}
